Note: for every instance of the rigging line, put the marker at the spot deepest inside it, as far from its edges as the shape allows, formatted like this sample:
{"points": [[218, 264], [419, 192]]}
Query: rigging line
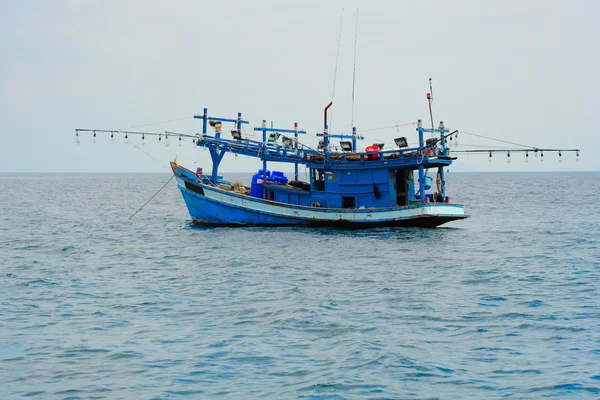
{"points": [[498, 140], [478, 145], [143, 151], [378, 140], [354, 68], [149, 200], [156, 123], [387, 127]]}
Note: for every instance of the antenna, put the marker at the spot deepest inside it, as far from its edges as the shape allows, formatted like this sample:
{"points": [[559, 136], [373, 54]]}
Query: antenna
{"points": [[337, 57], [354, 70], [431, 90], [430, 100]]}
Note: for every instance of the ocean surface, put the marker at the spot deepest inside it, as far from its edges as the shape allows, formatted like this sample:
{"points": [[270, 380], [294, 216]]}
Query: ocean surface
{"points": [[505, 304]]}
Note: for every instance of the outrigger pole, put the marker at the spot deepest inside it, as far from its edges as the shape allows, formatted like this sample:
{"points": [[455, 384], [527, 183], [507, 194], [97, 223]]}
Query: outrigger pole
{"points": [[112, 132], [534, 150]]}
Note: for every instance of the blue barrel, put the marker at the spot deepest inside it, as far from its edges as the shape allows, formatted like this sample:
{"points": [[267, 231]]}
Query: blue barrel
{"points": [[256, 189]]}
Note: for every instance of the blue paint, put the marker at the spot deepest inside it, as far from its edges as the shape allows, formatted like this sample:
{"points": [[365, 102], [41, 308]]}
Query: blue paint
{"points": [[209, 211]]}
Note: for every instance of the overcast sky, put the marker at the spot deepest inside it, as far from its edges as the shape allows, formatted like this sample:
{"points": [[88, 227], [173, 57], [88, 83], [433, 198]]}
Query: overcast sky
{"points": [[521, 71]]}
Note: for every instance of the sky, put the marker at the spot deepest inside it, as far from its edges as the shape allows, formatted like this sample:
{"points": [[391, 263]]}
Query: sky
{"points": [[519, 71]]}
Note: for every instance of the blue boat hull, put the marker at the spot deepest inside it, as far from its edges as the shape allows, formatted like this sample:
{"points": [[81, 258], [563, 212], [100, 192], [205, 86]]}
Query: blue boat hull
{"points": [[209, 205]]}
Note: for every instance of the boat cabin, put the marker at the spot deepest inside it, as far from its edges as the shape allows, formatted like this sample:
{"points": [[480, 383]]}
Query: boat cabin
{"points": [[348, 188]]}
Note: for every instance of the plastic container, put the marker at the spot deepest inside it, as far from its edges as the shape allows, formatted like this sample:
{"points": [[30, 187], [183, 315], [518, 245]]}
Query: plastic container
{"points": [[256, 188], [278, 177], [372, 149]]}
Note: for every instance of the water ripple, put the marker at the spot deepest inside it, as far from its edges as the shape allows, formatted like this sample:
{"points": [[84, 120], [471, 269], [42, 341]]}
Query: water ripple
{"points": [[94, 305]]}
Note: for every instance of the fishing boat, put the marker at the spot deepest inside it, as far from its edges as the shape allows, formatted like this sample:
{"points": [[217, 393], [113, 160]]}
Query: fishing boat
{"points": [[347, 187]]}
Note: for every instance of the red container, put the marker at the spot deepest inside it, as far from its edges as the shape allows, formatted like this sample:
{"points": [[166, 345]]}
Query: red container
{"points": [[372, 149]]}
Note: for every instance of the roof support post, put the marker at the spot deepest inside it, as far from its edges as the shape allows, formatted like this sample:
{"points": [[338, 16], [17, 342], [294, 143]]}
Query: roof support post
{"points": [[264, 155], [216, 157], [422, 155], [296, 147]]}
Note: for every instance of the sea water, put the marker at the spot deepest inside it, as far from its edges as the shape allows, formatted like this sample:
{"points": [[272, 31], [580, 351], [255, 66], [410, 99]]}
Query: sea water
{"points": [[96, 305]]}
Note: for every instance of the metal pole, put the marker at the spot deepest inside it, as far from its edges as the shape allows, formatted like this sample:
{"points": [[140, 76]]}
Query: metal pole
{"points": [[421, 170], [354, 138], [204, 120], [325, 127], [441, 169], [296, 147], [264, 131], [443, 178]]}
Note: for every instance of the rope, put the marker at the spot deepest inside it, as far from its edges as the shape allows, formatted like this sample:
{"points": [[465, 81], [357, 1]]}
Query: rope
{"points": [[387, 127], [478, 145], [145, 152], [173, 176], [497, 140]]}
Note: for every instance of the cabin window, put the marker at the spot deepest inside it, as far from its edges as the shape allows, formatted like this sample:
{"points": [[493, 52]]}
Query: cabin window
{"points": [[331, 176], [348, 202]]}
